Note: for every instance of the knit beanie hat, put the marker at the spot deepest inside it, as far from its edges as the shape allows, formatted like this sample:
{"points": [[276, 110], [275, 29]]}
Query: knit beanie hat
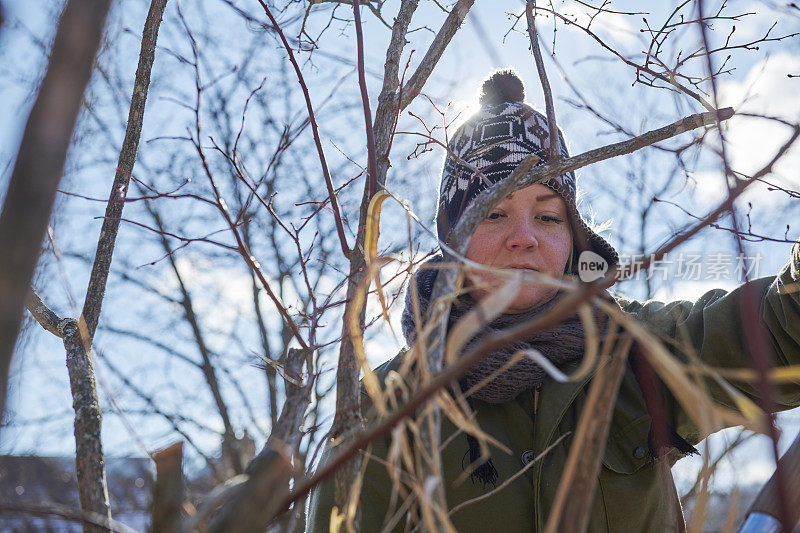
{"points": [[489, 146]]}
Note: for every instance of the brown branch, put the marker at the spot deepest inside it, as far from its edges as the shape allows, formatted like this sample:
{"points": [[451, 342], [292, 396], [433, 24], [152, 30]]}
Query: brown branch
{"points": [[250, 506], [40, 162], [168, 489], [347, 420], [286, 430], [555, 141], [127, 158], [570, 510], [89, 460], [207, 366], [435, 51], [315, 130], [43, 314], [388, 104], [372, 164], [67, 513]]}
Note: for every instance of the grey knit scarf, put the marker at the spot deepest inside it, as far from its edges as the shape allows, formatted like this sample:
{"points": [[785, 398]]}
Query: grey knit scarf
{"points": [[561, 345]]}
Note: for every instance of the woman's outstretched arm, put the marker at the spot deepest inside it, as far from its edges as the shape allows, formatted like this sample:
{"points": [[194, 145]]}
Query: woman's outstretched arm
{"points": [[728, 330]]}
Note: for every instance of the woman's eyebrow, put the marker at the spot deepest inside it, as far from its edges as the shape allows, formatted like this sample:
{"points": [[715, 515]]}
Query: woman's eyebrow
{"points": [[547, 197]]}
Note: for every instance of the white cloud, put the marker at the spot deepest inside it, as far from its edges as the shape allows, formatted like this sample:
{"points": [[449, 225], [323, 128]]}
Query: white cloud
{"points": [[613, 28], [220, 295]]}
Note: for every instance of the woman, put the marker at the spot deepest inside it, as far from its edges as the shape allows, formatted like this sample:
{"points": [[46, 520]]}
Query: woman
{"points": [[538, 229]]}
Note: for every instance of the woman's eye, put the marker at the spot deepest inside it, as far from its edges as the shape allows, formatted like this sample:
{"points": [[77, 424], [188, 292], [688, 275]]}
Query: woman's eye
{"points": [[550, 219], [494, 216]]}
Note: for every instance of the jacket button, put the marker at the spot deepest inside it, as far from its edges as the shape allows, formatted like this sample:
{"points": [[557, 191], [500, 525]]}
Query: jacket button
{"points": [[527, 457], [639, 452]]}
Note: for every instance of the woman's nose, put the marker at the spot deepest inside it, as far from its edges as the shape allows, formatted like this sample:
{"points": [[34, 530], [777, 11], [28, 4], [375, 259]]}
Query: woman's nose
{"points": [[522, 235]]}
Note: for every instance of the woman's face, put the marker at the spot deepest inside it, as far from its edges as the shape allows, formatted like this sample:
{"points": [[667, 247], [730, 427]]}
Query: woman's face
{"points": [[528, 230]]}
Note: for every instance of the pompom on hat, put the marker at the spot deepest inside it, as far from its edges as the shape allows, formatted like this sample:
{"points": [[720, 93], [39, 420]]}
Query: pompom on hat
{"points": [[489, 146]]}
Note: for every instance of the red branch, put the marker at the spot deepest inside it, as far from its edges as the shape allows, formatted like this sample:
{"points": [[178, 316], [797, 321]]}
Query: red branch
{"points": [[326, 174]]}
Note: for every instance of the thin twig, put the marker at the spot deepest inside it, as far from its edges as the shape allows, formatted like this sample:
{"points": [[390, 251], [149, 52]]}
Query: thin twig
{"points": [[315, 130], [555, 140]]}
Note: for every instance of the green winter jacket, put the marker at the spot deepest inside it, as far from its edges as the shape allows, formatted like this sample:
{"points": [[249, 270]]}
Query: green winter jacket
{"points": [[630, 495]]}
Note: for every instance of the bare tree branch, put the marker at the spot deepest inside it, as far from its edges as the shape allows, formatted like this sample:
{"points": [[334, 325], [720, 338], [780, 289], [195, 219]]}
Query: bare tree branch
{"points": [[372, 165], [43, 314], [347, 420], [388, 104], [555, 141], [40, 161], [320, 152], [451, 24], [253, 504], [570, 510], [127, 158], [89, 459], [67, 513]]}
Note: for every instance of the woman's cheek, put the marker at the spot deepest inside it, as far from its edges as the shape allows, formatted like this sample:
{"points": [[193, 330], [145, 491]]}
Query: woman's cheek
{"points": [[482, 283]]}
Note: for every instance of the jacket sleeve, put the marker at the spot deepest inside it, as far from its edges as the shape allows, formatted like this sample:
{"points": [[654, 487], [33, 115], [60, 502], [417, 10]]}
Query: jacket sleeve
{"points": [[377, 503], [715, 327]]}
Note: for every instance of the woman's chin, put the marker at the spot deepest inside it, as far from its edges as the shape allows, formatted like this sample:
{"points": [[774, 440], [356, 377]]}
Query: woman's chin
{"points": [[527, 300]]}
